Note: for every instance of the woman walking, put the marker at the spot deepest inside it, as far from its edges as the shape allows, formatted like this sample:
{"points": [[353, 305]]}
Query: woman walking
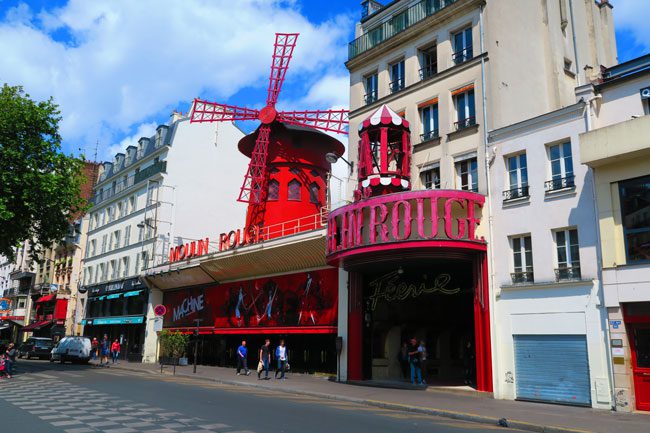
{"points": [[10, 359], [115, 351]]}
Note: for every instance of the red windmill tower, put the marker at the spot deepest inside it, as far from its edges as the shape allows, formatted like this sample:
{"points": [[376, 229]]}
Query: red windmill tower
{"points": [[287, 174]]}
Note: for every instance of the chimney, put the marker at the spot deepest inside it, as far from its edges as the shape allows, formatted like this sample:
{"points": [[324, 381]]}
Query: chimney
{"points": [[175, 117]]}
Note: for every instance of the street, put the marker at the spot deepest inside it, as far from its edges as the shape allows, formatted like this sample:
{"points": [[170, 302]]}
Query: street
{"points": [[48, 397]]}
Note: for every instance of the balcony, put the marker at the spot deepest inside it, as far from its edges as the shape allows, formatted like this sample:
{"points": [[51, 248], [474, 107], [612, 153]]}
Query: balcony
{"points": [[515, 193], [396, 85], [559, 183], [370, 97], [429, 135], [463, 55], [567, 273], [465, 123], [428, 71], [522, 277], [129, 182], [397, 24]]}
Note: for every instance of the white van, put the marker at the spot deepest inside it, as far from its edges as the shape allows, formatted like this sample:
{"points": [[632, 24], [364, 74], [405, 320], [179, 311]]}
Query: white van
{"points": [[73, 349]]}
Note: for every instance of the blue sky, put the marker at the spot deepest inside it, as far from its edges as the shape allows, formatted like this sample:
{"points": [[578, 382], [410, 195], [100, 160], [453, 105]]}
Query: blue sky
{"points": [[118, 68]]}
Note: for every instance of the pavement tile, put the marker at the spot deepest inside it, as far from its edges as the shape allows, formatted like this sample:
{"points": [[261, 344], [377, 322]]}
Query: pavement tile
{"points": [[173, 425], [161, 430], [80, 430], [62, 423], [214, 426], [57, 416], [120, 430], [87, 417], [102, 424], [138, 424], [199, 431]]}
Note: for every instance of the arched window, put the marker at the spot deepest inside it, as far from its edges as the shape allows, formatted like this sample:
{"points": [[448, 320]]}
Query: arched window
{"points": [[274, 190], [314, 193], [294, 190]]}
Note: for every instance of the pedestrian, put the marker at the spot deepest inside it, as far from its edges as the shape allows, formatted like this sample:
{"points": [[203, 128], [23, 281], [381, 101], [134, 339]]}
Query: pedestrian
{"points": [[3, 368], [241, 359], [414, 362], [282, 356], [403, 358], [94, 348], [265, 360], [10, 359], [105, 348], [422, 349], [115, 350]]}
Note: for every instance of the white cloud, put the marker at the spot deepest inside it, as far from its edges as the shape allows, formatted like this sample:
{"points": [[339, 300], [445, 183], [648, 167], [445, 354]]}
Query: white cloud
{"points": [[632, 16], [122, 63], [142, 130]]}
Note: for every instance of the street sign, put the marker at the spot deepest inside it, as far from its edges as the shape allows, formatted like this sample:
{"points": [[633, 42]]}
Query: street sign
{"points": [[157, 324], [159, 310]]}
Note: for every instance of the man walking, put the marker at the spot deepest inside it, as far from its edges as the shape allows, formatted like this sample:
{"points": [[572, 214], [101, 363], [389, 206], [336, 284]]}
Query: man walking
{"points": [[281, 356], [10, 359], [265, 359], [106, 349], [241, 359]]}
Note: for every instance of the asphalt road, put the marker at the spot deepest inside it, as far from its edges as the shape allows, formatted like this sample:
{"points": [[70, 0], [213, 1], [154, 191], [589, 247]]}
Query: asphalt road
{"points": [[48, 397]]}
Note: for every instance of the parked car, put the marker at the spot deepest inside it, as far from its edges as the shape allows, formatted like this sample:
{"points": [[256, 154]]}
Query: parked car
{"points": [[36, 347], [73, 349]]}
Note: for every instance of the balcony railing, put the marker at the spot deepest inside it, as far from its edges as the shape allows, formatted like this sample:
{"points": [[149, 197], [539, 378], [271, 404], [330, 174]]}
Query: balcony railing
{"points": [[370, 97], [395, 25], [515, 193], [428, 71], [567, 273], [160, 166], [397, 85], [559, 183], [429, 135], [521, 277], [465, 123], [463, 55]]}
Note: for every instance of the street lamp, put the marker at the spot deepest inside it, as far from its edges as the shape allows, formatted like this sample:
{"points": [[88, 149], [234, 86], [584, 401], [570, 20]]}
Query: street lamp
{"points": [[333, 158]]}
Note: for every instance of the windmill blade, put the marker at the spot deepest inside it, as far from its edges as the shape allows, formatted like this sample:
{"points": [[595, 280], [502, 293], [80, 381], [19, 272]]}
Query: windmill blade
{"points": [[253, 186], [326, 120], [282, 52], [204, 111]]}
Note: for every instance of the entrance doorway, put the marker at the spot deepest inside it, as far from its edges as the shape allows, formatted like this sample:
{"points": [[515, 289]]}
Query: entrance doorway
{"points": [[431, 301], [640, 345]]}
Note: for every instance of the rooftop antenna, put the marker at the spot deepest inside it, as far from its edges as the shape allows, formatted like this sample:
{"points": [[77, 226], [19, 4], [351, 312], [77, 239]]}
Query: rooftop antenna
{"points": [[95, 155]]}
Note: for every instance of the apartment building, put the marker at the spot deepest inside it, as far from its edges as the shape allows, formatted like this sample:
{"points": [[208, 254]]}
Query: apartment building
{"points": [[167, 190]]}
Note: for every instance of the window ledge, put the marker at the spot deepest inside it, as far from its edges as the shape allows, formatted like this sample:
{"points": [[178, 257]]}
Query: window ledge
{"points": [[463, 132], [547, 284], [430, 142], [571, 190], [513, 202]]}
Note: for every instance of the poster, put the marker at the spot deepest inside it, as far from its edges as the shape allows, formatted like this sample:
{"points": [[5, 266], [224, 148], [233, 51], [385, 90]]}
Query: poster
{"points": [[295, 300]]}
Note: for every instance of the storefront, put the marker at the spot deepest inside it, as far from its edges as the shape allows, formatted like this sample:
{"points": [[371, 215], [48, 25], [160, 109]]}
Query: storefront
{"points": [[118, 310], [300, 308], [49, 317], [416, 268]]}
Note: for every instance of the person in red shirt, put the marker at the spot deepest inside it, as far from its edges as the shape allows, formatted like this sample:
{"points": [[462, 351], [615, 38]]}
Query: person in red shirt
{"points": [[115, 350]]}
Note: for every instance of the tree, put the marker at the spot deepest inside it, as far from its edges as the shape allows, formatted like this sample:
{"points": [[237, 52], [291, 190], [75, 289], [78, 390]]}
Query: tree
{"points": [[173, 344], [39, 185]]}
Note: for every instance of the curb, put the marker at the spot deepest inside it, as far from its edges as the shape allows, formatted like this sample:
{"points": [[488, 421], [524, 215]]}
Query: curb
{"points": [[444, 413]]}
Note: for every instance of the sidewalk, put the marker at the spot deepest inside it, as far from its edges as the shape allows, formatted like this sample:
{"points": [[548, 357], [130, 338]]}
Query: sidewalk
{"points": [[534, 417]]}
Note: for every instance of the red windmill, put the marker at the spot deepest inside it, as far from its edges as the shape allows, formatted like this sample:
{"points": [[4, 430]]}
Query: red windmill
{"points": [[277, 145]]}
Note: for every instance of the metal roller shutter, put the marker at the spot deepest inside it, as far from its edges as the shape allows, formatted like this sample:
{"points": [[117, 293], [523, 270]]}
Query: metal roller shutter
{"points": [[552, 368]]}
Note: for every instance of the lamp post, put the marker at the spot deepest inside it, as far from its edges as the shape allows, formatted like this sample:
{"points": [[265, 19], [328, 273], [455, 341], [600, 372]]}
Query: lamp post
{"points": [[196, 341]]}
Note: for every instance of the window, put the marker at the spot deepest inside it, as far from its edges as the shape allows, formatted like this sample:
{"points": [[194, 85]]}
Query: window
{"points": [[397, 76], [465, 108], [517, 177], [127, 236], [431, 177], [428, 62], [522, 251], [635, 214], [568, 255], [104, 240], [112, 269], [429, 117], [93, 247], [467, 172], [314, 193], [137, 263], [140, 233], [274, 190], [145, 260], [117, 236], [294, 190], [125, 266], [462, 46], [561, 167], [370, 82], [132, 204]]}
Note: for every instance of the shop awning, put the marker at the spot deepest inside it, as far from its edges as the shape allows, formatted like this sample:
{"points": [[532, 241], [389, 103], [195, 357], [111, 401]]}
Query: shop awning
{"points": [[37, 325], [46, 298], [4, 326], [121, 320]]}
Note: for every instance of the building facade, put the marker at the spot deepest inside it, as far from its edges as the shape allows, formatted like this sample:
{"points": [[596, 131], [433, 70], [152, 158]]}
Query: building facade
{"points": [[144, 203], [616, 147], [547, 288]]}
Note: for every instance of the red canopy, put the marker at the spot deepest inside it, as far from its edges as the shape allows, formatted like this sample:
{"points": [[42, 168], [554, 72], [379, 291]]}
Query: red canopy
{"points": [[46, 298], [37, 325]]}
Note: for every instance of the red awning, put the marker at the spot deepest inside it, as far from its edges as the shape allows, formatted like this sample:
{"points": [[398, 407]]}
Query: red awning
{"points": [[46, 298], [207, 330], [37, 325]]}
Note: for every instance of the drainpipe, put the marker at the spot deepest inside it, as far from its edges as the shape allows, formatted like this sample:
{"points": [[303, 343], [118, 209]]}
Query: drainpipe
{"points": [[575, 44], [599, 260], [493, 350]]}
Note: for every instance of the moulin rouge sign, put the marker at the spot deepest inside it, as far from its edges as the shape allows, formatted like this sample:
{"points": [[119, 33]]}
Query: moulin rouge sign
{"points": [[446, 215], [227, 241]]}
